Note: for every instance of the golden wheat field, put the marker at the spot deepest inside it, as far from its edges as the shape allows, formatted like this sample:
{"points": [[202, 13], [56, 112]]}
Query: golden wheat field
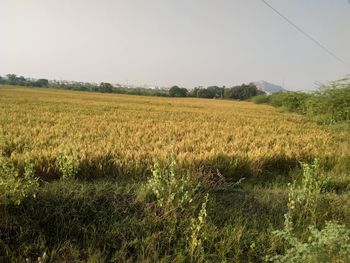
{"points": [[124, 135]]}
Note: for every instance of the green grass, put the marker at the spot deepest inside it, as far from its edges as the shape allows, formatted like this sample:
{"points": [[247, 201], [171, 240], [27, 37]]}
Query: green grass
{"points": [[106, 221]]}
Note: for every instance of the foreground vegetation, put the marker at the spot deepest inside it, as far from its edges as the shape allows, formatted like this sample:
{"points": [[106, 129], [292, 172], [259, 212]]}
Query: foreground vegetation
{"points": [[115, 178]]}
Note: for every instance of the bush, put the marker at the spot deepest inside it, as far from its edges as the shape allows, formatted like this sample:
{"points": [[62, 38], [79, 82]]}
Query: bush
{"points": [[15, 187], [261, 99], [290, 101], [68, 163], [330, 244], [329, 105], [304, 194], [169, 190], [177, 200]]}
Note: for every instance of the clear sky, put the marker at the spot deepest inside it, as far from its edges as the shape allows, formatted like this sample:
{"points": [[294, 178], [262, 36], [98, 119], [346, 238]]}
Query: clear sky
{"points": [[168, 42]]}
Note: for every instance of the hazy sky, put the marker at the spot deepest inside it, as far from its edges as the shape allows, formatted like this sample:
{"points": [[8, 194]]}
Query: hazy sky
{"points": [[167, 42]]}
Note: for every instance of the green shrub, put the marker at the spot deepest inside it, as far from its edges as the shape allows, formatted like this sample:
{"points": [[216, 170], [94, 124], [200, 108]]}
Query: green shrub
{"points": [[15, 187], [304, 194], [68, 163], [261, 99], [290, 101], [329, 105], [169, 190], [177, 198], [330, 244]]}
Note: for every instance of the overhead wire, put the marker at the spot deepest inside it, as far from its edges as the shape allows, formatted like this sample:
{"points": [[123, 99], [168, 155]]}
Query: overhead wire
{"points": [[318, 43]]}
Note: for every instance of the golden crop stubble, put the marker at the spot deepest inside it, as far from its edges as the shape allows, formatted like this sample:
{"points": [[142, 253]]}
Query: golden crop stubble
{"points": [[129, 133]]}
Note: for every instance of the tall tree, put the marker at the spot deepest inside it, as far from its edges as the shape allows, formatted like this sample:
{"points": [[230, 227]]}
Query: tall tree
{"points": [[176, 91]]}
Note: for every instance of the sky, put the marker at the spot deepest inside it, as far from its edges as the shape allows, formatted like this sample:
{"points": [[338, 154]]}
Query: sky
{"points": [[175, 42]]}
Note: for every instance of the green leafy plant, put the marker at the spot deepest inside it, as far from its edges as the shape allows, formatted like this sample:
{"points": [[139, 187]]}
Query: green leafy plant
{"points": [[15, 187], [68, 163], [330, 244], [177, 197], [169, 190], [197, 231], [303, 194]]}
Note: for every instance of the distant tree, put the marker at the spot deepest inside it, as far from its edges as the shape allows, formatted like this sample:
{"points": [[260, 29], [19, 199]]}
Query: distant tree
{"points": [[176, 91], [41, 83], [193, 92], [204, 93], [228, 93], [12, 78], [215, 92], [209, 92], [21, 81], [242, 92], [106, 87]]}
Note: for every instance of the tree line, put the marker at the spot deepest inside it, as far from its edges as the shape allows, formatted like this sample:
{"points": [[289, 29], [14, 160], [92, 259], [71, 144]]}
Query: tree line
{"points": [[13, 79], [240, 92], [103, 87]]}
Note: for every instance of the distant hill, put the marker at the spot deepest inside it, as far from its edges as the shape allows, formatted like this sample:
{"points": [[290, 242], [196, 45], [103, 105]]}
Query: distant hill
{"points": [[268, 87]]}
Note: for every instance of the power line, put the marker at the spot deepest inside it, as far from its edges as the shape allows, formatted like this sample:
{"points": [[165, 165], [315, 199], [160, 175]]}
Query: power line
{"points": [[306, 34]]}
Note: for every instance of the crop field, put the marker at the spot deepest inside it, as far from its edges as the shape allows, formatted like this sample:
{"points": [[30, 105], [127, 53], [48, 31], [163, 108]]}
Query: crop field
{"points": [[117, 135], [107, 145]]}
